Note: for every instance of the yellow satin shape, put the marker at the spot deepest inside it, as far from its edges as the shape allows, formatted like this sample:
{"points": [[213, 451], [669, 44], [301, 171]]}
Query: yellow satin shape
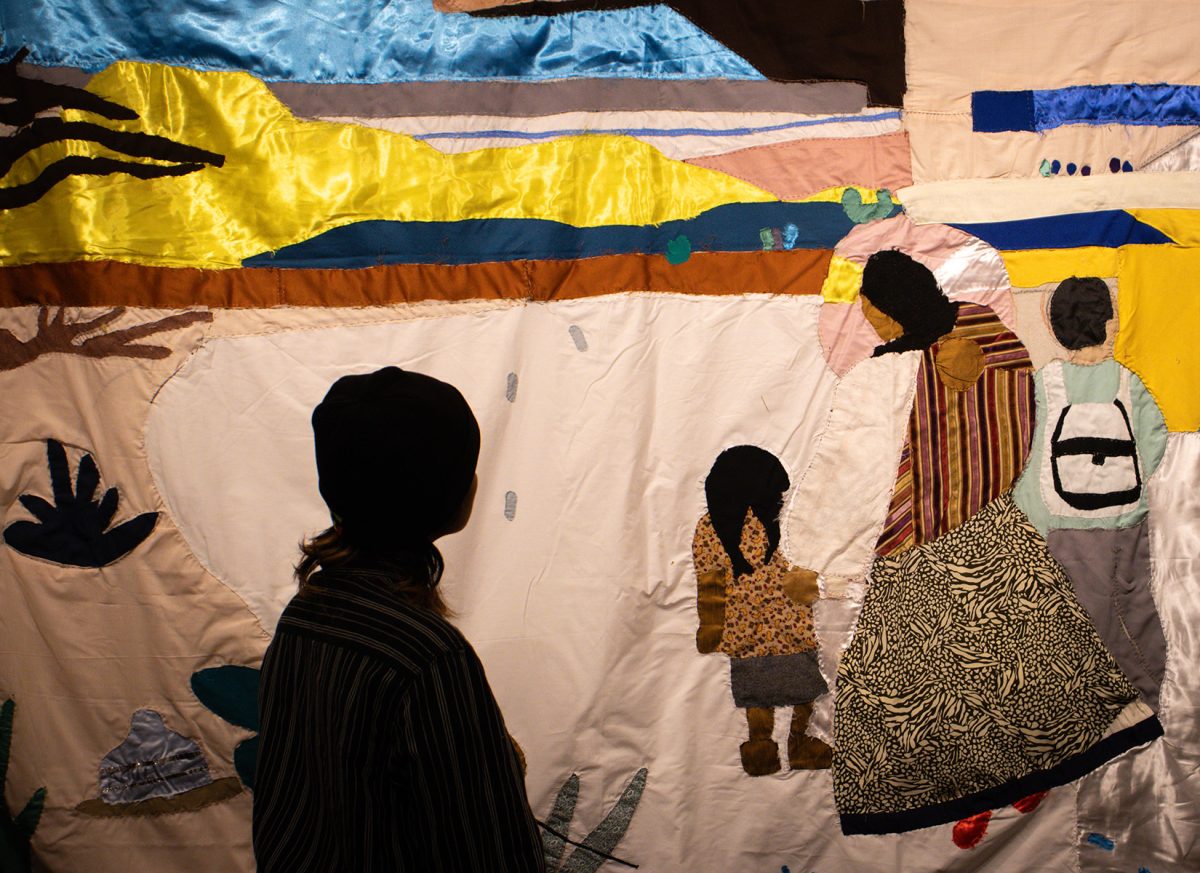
{"points": [[1159, 322], [843, 281], [835, 194], [286, 180]]}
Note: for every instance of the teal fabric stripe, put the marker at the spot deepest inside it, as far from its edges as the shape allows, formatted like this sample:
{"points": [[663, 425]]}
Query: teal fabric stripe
{"points": [[733, 227]]}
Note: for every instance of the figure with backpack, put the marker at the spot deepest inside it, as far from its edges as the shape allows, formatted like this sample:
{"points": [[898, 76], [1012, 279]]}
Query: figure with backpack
{"points": [[1099, 437]]}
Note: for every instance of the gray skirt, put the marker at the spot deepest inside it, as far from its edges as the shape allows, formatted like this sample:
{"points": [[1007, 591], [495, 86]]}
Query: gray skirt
{"points": [[776, 680]]}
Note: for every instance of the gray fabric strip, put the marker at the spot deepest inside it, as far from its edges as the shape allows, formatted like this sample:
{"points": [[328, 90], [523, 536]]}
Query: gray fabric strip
{"points": [[55, 75], [1110, 570], [776, 680], [518, 99]]}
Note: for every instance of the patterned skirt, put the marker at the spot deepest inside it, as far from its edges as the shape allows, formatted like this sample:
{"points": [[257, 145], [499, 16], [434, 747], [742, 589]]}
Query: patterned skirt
{"points": [[975, 678]]}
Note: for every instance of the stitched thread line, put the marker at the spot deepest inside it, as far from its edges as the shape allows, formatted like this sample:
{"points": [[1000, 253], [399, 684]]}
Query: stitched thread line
{"points": [[567, 839]]}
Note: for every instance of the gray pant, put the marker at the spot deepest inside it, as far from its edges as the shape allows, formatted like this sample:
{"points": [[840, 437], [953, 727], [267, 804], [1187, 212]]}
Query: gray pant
{"points": [[1110, 570]]}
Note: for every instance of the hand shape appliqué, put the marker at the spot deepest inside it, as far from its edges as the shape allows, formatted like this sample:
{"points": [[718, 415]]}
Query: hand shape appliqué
{"points": [[74, 530]]}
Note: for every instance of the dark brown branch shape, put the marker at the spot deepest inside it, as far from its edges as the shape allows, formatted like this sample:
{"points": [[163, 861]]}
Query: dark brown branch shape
{"points": [[133, 143], [55, 334], [12, 197], [27, 97]]}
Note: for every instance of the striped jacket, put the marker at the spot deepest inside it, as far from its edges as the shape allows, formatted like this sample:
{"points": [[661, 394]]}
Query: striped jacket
{"points": [[382, 747]]}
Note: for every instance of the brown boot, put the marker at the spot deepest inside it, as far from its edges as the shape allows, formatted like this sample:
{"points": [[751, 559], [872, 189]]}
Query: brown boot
{"points": [[805, 752], [760, 753]]}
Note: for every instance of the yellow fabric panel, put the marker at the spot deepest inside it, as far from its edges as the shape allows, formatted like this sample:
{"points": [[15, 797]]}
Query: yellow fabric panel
{"points": [[1181, 225], [1033, 267], [1159, 313], [834, 195], [843, 281], [286, 180], [1159, 325]]}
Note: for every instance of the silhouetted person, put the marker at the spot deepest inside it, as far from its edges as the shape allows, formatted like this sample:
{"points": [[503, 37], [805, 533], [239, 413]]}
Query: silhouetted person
{"points": [[383, 748]]}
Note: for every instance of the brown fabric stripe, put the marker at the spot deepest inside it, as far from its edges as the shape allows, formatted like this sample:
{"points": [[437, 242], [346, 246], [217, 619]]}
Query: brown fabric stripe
{"points": [[72, 76], [114, 283], [958, 455], [898, 529], [187, 801], [533, 99]]}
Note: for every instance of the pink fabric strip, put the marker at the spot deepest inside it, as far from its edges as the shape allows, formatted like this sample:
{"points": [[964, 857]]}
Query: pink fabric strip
{"points": [[795, 169]]}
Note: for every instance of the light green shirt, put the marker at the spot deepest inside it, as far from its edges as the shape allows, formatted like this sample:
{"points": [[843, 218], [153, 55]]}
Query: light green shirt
{"points": [[1092, 383]]}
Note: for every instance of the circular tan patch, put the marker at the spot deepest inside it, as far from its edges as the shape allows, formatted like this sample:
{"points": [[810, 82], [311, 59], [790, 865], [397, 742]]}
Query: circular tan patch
{"points": [[959, 363]]}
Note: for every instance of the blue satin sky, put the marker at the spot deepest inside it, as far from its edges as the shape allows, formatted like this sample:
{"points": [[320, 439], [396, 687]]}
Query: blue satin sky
{"points": [[368, 41]]}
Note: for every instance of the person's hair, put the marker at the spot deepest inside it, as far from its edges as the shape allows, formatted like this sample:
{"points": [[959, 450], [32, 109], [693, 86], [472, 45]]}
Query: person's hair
{"points": [[741, 478], [1080, 309], [413, 573], [907, 292]]}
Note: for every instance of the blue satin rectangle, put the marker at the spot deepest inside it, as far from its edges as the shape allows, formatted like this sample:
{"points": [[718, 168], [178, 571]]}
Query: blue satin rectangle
{"points": [[1158, 105], [365, 41]]}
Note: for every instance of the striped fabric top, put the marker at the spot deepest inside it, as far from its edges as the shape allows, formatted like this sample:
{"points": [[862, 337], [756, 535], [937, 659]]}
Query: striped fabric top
{"points": [[382, 747], [964, 448]]}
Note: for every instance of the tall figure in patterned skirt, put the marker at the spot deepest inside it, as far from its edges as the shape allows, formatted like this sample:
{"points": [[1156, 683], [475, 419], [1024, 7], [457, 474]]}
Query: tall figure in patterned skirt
{"points": [[975, 677]]}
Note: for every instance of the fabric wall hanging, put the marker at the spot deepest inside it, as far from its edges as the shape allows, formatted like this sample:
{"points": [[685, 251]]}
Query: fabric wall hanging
{"points": [[837, 500]]}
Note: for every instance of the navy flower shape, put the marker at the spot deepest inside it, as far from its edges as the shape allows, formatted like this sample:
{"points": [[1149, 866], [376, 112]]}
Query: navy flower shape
{"points": [[74, 530]]}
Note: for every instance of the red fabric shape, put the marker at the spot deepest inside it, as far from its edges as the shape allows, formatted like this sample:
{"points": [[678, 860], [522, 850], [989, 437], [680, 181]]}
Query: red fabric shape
{"points": [[1030, 803], [969, 831]]}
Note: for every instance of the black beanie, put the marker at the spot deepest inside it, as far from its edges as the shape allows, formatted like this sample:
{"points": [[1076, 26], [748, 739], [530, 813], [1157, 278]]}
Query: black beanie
{"points": [[396, 454]]}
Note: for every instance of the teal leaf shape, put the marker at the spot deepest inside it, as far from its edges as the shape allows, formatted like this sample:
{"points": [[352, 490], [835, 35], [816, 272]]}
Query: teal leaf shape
{"points": [[16, 832], [679, 249], [231, 692], [597, 846], [560, 820]]}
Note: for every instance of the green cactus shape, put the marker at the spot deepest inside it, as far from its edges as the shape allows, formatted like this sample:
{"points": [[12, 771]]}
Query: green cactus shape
{"points": [[15, 833], [861, 213], [597, 847]]}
